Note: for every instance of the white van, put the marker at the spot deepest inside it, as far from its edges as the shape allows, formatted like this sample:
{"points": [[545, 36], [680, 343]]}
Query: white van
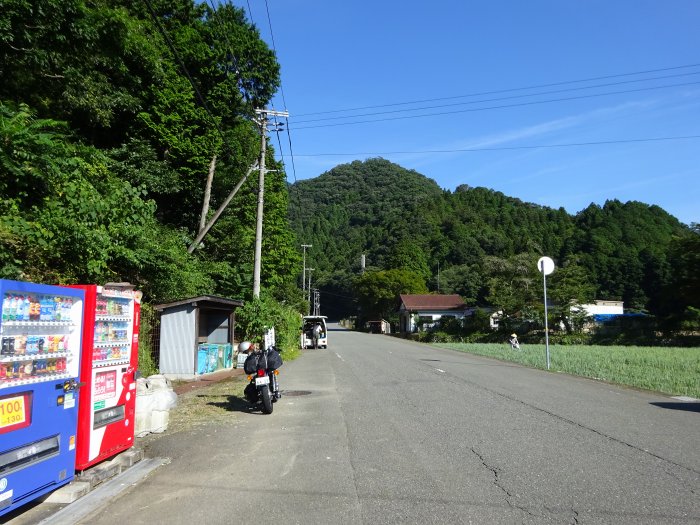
{"points": [[314, 325]]}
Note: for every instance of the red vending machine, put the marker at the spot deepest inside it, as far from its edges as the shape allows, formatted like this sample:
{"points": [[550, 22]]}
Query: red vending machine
{"points": [[107, 402]]}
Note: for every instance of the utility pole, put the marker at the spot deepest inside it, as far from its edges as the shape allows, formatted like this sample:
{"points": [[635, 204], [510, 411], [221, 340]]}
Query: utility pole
{"points": [[262, 121], [303, 277], [309, 288], [317, 302]]}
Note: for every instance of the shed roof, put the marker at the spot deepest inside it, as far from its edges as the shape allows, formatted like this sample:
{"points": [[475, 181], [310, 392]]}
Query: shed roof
{"points": [[432, 302], [206, 301]]}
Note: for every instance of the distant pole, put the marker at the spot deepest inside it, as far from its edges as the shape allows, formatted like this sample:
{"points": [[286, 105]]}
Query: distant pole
{"points": [[317, 302], [303, 277], [309, 287], [438, 279], [546, 266]]}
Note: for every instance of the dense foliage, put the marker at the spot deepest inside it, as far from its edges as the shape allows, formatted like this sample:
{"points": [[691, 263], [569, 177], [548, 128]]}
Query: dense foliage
{"points": [[105, 147], [484, 245]]}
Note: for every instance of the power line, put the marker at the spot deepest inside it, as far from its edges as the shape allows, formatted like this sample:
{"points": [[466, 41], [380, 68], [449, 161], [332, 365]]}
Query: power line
{"points": [[170, 44], [284, 102], [274, 47], [239, 80], [508, 90], [503, 106], [505, 148], [500, 98], [324, 292]]}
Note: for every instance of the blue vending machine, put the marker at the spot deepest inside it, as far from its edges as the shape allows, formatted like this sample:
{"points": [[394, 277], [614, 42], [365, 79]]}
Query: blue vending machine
{"points": [[41, 332]]}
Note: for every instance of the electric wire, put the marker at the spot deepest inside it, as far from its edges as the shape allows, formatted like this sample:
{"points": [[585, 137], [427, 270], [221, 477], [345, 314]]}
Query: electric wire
{"points": [[502, 106], [239, 80], [506, 148], [499, 98], [173, 50], [284, 102], [508, 90]]}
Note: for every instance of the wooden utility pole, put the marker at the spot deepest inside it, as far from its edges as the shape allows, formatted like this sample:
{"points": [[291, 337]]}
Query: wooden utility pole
{"points": [[303, 275], [218, 212], [262, 121]]}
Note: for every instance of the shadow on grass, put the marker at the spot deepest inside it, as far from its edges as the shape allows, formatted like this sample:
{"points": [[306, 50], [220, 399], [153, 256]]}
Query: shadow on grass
{"points": [[691, 406], [232, 404]]}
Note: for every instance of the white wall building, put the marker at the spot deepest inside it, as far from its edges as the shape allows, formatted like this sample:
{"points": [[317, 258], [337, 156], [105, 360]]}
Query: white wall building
{"points": [[427, 309]]}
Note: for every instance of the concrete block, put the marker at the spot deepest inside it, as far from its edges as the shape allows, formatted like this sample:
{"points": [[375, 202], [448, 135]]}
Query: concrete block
{"points": [[97, 474], [69, 493], [129, 458]]}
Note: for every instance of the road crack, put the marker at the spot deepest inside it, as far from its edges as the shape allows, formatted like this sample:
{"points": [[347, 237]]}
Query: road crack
{"points": [[576, 424], [498, 483]]}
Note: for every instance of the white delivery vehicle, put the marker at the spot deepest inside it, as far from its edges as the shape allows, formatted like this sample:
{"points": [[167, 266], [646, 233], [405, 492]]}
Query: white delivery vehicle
{"points": [[314, 333]]}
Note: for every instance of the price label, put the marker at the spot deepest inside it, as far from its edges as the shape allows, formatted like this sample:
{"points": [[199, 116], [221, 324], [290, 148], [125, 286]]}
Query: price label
{"points": [[13, 412]]}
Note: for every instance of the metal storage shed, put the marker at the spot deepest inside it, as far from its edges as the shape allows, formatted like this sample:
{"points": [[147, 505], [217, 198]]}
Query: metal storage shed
{"points": [[191, 325]]}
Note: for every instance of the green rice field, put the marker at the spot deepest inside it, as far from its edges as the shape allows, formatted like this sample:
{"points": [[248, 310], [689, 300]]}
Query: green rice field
{"points": [[674, 371]]}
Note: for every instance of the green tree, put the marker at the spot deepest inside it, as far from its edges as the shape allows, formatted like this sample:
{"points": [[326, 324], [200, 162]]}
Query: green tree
{"points": [[683, 290], [407, 254], [512, 283], [465, 280], [80, 223], [378, 292], [570, 287]]}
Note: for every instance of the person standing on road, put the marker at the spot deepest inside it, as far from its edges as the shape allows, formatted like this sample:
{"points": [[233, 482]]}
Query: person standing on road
{"points": [[317, 334]]}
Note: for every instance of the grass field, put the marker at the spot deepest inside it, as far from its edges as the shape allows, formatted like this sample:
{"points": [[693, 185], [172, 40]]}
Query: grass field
{"points": [[674, 371]]}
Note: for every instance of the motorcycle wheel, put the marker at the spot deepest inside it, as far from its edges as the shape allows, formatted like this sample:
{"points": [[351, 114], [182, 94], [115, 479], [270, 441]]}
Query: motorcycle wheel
{"points": [[266, 400]]}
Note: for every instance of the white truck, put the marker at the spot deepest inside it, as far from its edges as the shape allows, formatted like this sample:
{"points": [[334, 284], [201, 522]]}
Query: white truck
{"points": [[314, 332]]}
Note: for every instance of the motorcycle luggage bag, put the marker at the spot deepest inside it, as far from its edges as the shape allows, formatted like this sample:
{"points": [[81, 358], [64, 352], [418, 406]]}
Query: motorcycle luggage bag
{"points": [[251, 363], [274, 359]]}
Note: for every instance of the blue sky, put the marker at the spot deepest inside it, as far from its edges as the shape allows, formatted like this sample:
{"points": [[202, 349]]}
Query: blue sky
{"points": [[384, 55]]}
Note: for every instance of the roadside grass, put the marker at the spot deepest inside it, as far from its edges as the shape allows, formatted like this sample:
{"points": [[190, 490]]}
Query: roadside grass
{"points": [[669, 370], [217, 403]]}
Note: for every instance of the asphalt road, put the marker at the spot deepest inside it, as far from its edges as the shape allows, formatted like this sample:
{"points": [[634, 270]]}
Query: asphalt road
{"points": [[379, 430]]}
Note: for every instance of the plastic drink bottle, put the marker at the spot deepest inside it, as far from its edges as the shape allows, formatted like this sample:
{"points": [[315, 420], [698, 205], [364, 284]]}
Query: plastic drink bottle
{"points": [[13, 308]]}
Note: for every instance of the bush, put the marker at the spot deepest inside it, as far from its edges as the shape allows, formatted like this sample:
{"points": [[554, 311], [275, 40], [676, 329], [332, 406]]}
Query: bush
{"points": [[147, 363], [259, 315]]}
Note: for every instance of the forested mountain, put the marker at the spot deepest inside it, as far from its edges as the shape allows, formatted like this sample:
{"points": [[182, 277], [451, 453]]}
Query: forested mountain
{"points": [[111, 115], [481, 243]]}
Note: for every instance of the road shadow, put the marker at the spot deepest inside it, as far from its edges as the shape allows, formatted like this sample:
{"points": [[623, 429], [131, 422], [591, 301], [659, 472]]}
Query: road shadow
{"points": [[232, 404], [689, 406]]}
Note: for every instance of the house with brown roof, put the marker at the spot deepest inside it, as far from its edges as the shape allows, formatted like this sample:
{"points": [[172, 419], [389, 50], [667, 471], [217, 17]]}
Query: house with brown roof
{"points": [[425, 310]]}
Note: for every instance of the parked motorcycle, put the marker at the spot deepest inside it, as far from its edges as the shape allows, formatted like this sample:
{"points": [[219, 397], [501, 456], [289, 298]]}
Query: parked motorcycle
{"points": [[262, 369]]}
